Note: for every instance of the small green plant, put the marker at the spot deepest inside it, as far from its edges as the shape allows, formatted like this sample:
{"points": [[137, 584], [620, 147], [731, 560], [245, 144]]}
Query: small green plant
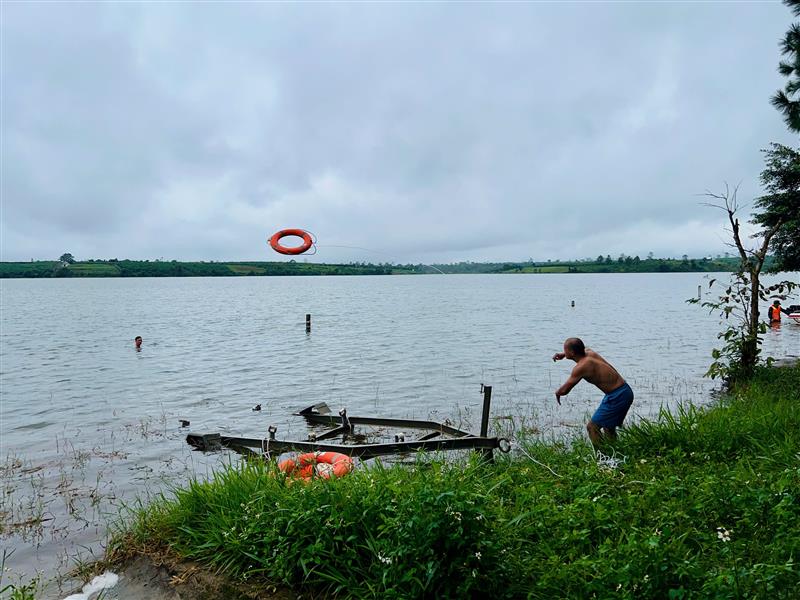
{"points": [[16, 592], [25, 592]]}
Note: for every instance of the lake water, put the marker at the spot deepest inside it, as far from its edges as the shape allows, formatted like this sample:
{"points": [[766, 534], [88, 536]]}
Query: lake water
{"points": [[88, 423]]}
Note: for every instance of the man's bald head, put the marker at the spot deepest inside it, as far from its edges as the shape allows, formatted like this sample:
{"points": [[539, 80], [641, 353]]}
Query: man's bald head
{"points": [[574, 348]]}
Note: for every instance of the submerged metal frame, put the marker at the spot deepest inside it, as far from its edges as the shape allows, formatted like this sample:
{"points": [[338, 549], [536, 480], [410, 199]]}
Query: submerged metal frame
{"points": [[215, 441], [319, 414]]}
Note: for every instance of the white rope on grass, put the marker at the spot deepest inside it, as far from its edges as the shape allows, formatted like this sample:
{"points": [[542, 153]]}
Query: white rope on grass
{"points": [[541, 464], [611, 463]]}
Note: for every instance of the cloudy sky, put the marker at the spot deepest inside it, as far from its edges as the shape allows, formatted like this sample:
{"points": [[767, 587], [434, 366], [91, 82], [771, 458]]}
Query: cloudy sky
{"points": [[417, 131]]}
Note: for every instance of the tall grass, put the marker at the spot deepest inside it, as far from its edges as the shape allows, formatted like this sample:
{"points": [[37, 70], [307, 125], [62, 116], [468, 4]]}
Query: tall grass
{"points": [[702, 504]]}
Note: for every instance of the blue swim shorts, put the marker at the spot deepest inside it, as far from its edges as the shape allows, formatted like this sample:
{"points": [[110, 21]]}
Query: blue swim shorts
{"points": [[614, 407]]}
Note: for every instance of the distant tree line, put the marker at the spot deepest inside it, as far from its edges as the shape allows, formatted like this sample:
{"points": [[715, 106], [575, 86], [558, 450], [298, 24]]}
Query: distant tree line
{"points": [[114, 267], [602, 264], [145, 268]]}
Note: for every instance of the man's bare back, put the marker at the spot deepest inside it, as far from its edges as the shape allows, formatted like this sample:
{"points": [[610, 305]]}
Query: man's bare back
{"points": [[597, 371]]}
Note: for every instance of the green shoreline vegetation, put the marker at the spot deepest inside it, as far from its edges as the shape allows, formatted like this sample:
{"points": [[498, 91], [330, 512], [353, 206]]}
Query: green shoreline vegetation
{"points": [[158, 268], [703, 503]]}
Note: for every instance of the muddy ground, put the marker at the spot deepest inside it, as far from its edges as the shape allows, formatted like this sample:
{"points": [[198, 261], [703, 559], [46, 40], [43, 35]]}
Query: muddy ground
{"points": [[149, 578]]}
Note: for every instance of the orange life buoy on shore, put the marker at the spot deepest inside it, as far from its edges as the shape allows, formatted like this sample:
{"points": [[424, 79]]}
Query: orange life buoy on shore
{"points": [[275, 241], [317, 464]]}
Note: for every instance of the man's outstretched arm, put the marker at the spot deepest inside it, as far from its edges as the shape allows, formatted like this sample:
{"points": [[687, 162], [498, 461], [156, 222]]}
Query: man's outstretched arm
{"points": [[570, 383]]}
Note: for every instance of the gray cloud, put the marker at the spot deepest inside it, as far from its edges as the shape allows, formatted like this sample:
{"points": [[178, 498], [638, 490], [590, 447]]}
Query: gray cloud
{"points": [[423, 132]]}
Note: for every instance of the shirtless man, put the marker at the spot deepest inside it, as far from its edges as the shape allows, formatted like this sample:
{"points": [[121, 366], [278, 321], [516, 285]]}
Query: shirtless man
{"points": [[596, 370]]}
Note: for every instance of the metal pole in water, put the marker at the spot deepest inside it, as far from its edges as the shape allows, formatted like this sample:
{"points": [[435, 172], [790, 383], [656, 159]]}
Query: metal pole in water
{"points": [[487, 402], [308, 323]]}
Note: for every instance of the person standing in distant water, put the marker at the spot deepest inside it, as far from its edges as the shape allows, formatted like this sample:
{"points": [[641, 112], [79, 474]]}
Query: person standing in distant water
{"points": [[138, 343], [596, 370], [774, 313]]}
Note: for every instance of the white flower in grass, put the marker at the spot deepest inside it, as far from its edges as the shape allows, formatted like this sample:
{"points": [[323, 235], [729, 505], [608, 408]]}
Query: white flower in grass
{"points": [[450, 511], [478, 555], [724, 534], [387, 560]]}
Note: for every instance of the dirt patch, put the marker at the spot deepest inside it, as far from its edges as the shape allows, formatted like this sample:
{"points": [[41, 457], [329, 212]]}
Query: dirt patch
{"points": [[160, 577]]}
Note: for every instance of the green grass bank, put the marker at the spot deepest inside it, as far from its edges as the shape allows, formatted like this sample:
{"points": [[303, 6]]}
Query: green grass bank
{"points": [[705, 504]]}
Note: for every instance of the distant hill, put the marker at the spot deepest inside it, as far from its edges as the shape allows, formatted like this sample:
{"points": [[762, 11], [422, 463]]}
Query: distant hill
{"points": [[146, 268]]}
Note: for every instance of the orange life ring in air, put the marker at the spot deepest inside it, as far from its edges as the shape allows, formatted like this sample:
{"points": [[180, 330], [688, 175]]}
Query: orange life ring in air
{"points": [[317, 464], [275, 241]]}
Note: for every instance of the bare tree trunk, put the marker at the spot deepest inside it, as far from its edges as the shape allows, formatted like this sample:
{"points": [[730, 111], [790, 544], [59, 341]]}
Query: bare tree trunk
{"points": [[750, 348], [752, 265]]}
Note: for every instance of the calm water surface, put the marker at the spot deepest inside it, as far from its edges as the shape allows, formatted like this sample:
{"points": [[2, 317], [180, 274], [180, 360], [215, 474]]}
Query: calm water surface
{"points": [[88, 423]]}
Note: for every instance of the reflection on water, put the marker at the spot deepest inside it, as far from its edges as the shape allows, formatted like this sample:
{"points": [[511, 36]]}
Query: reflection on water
{"points": [[88, 422]]}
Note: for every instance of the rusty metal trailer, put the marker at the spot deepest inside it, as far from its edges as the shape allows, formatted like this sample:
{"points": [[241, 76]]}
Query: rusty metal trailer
{"points": [[343, 425]]}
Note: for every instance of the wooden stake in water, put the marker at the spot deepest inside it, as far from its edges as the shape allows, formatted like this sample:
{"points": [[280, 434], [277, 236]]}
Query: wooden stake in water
{"points": [[699, 292], [308, 323]]}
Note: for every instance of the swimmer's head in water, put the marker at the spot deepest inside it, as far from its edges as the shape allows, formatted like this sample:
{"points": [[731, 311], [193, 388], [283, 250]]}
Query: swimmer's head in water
{"points": [[137, 340], [574, 348]]}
